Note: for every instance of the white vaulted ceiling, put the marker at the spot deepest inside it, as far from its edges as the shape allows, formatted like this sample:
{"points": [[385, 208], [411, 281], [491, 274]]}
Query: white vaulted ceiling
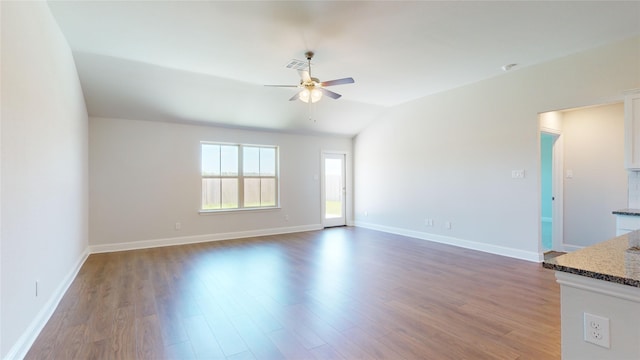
{"points": [[208, 61]]}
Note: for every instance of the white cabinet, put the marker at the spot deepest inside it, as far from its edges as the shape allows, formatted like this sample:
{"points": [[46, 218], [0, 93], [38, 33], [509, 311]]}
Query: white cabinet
{"points": [[626, 223], [632, 130]]}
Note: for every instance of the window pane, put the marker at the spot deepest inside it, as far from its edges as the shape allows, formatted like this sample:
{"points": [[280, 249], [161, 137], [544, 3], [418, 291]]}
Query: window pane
{"points": [[333, 209], [251, 192], [210, 194], [333, 188], [229, 193], [229, 160], [234, 172], [268, 192], [210, 159], [251, 161], [267, 161]]}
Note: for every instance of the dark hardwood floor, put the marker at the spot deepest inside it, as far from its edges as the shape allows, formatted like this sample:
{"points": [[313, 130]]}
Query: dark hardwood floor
{"points": [[341, 293]]}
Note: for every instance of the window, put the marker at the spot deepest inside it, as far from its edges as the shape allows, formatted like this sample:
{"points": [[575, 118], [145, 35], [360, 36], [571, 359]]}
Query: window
{"points": [[239, 176]]}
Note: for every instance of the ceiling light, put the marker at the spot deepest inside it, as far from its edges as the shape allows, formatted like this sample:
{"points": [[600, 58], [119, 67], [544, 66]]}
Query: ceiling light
{"points": [[313, 94], [316, 95]]}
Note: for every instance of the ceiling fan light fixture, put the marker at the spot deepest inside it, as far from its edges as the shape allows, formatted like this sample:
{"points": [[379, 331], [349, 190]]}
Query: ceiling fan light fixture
{"points": [[304, 95], [311, 88], [316, 95], [313, 95]]}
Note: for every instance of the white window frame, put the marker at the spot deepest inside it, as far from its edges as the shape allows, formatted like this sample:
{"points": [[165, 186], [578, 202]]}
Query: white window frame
{"points": [[241, 177]]}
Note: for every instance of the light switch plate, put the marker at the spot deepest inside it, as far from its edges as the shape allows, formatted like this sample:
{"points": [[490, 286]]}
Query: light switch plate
{"points": [[517, 174]]}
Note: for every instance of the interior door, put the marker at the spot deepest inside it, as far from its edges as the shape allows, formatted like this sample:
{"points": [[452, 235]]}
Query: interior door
{"points": [[333, 190], [546, 171], [551, 191]]}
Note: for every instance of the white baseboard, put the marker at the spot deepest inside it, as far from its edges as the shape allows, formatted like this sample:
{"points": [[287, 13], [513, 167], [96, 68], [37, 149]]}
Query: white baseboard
{"points": [[449, 240], [183, 240], [21, 347]]}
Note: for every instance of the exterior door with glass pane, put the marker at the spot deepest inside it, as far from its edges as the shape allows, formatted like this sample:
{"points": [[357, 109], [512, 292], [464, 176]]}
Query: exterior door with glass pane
{"points": [[333, 190]]}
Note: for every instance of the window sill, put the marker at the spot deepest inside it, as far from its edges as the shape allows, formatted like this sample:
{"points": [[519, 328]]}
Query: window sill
{"points": [[227, 211]]}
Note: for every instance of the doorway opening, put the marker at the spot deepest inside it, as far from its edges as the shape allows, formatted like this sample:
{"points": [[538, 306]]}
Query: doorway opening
{"points": [[587, 178], [548, 190], [333, 189], [551, 183]]}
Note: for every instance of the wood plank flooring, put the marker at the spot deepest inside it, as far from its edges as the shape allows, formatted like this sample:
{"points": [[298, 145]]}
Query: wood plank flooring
{"points": [[340, 293]]}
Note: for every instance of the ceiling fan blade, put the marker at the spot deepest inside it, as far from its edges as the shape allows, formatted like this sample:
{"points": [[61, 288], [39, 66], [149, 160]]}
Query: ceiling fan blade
{"points": [[329, 93], [304, 75], [295, 97], [282, 85], [338, 82]]}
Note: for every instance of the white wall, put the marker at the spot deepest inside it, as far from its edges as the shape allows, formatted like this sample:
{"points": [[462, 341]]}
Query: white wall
{"points": [[551, 122], [44, 171], [145, 177], [449, 156], [593, 141]]}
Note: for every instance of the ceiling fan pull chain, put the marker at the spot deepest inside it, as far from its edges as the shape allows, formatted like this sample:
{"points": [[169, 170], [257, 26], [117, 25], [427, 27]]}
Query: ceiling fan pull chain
{"points": [[312, 107]]}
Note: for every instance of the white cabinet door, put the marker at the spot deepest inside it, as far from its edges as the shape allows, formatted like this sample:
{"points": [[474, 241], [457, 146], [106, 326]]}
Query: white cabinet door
{"points": [[632, 131], [626, 224]]}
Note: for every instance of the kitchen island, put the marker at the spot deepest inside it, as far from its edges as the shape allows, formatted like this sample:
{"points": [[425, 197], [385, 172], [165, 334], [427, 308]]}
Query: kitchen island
{"points": [[601, 280]]}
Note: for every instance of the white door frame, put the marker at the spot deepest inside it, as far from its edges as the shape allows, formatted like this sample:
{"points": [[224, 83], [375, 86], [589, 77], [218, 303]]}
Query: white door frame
{"points": [[557, 170], [337, 221]]}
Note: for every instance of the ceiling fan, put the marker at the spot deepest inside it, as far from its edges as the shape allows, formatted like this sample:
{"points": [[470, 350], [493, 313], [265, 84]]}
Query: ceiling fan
{"points": [[312, 89]]}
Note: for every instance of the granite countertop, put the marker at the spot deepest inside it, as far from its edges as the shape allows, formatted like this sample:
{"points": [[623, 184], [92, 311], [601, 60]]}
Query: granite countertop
{"points": [[603, 261], [631, 212]]}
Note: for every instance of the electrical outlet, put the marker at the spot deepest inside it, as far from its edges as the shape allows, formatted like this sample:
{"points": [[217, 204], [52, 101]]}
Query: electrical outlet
{"points": [[447, 225], [596, 330], [178, 226], [428, 222]]}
